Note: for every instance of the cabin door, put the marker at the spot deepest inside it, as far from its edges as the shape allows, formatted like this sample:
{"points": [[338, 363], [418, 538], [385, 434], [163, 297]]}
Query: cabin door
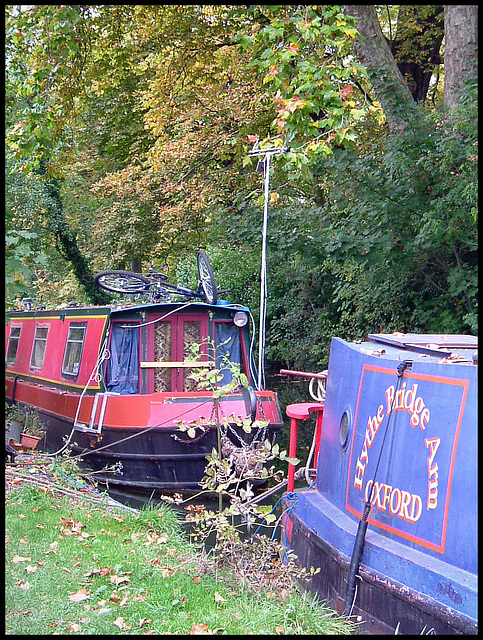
{"points": [[171, 341]]}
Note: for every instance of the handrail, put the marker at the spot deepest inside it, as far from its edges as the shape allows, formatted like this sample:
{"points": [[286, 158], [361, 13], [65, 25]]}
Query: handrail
{"points": [[194, 364], [288, 372]]}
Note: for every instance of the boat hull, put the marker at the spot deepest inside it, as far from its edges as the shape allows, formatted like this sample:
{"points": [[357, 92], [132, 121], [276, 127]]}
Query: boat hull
{"points": [[140, 446], [398, 447], [382, 605]]}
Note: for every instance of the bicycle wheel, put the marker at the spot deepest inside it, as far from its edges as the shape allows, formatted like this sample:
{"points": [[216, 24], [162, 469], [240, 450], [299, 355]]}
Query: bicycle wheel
{"points": [[122, 282], [207, 278]]}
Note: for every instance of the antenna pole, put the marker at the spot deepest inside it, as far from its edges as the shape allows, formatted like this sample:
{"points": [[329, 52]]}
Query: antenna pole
{"points": [[267, 153]]}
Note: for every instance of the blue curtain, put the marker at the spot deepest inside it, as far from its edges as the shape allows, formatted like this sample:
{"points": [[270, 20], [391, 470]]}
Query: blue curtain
{"points": [[227, 342], [123, 365]]}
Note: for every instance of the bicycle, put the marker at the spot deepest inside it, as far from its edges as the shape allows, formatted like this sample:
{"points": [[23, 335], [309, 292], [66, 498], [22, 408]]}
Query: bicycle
{"points": [[157, 284]]}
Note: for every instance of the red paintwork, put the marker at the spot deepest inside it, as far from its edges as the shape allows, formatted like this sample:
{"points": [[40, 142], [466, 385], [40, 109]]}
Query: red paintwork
{"points": [[56, 339], [57, 395], [138, 411], [296, 412]]}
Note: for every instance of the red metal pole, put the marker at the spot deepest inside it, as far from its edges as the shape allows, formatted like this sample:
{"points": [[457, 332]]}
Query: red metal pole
{"points": [[292, 452]]}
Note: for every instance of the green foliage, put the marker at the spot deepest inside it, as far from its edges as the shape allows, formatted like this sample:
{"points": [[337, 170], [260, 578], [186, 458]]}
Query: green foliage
{"points": [[304, 56], [406, 211]]}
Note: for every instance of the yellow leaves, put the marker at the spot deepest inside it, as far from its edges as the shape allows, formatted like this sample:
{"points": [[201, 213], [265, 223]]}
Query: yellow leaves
{"points": [[350, 32], [274, 197]]}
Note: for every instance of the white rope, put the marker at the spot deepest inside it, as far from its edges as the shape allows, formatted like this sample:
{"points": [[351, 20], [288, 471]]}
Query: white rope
{"points": [[318, 396]]}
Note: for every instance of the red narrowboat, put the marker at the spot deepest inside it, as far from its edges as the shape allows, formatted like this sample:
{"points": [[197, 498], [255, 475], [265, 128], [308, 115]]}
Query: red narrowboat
{"points": [[113, 383]]}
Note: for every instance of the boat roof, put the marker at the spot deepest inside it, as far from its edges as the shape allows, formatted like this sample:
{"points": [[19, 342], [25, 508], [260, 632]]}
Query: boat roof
{"points": [[444, 347], [114, 309]]}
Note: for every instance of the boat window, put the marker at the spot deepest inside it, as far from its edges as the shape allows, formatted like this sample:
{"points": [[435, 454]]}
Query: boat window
{"points": [[38, 350], [227, 344], [73, 349], [13, 341], [123, 363]]}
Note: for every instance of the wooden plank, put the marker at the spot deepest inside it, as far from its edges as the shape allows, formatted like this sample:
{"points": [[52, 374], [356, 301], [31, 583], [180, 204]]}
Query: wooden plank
{"points": [[187, 364]]}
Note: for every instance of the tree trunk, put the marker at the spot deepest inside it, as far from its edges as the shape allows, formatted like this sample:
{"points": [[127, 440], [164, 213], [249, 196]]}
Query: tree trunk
{"points": [[416, 45], [372, 50], [461, 50]]}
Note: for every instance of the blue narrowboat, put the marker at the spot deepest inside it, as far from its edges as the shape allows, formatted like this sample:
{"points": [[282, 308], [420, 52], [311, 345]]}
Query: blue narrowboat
{"points": [[391, 516]]}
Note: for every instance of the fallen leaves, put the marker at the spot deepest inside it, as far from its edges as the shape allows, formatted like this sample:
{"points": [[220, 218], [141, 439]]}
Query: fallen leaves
{"points": [[52, 547], [117, 580], [79, 596], [121, 624], [16, 559], [219, 598], [23, 584], [202, 629]]}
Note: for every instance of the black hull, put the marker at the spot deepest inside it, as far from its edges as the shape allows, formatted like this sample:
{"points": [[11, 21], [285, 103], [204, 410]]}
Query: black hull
{"points": [[135, 454], [381, 604]]}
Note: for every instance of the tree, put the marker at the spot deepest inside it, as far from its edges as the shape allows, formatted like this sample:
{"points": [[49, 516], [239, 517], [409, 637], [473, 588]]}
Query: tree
{"points": [[386, 79], [153, 109], [461, 50], [416, 46]]}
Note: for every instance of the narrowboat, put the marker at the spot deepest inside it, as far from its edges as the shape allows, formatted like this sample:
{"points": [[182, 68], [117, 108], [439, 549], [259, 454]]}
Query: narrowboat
{"points": [[390, 517], [114, 384]]}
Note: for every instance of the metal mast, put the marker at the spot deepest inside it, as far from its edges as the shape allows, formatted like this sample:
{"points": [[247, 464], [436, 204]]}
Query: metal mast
{"points": [[264, 165]]}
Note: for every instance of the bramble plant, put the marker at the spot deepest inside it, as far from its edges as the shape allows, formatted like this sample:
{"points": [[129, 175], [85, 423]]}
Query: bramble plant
{"points": [[228, 473]]}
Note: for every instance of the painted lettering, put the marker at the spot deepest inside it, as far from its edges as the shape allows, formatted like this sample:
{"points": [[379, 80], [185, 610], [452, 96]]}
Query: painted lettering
{"points": [[405, 502], [389, 398], [433, 488], [433, 444], [394, 506], [408, 400], [416, 508], [424, 418], [407, 506], [372, 428], [360, 468]]}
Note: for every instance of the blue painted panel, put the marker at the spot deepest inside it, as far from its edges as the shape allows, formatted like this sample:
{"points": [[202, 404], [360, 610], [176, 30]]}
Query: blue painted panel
{"points": [[425, 487]]}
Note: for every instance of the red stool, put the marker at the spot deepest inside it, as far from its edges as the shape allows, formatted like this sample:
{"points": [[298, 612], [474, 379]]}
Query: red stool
{"points": [[298, 412]]}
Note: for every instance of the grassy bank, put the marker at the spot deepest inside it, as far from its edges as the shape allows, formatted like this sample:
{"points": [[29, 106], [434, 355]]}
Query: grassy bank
{"points": [[76, 566]]}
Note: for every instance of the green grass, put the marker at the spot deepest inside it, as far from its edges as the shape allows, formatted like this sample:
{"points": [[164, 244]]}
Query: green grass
{"points": [[132, 573]]}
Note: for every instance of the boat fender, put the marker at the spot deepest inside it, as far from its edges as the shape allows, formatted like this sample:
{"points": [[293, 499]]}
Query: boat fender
{"points": [[250, 399]]}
